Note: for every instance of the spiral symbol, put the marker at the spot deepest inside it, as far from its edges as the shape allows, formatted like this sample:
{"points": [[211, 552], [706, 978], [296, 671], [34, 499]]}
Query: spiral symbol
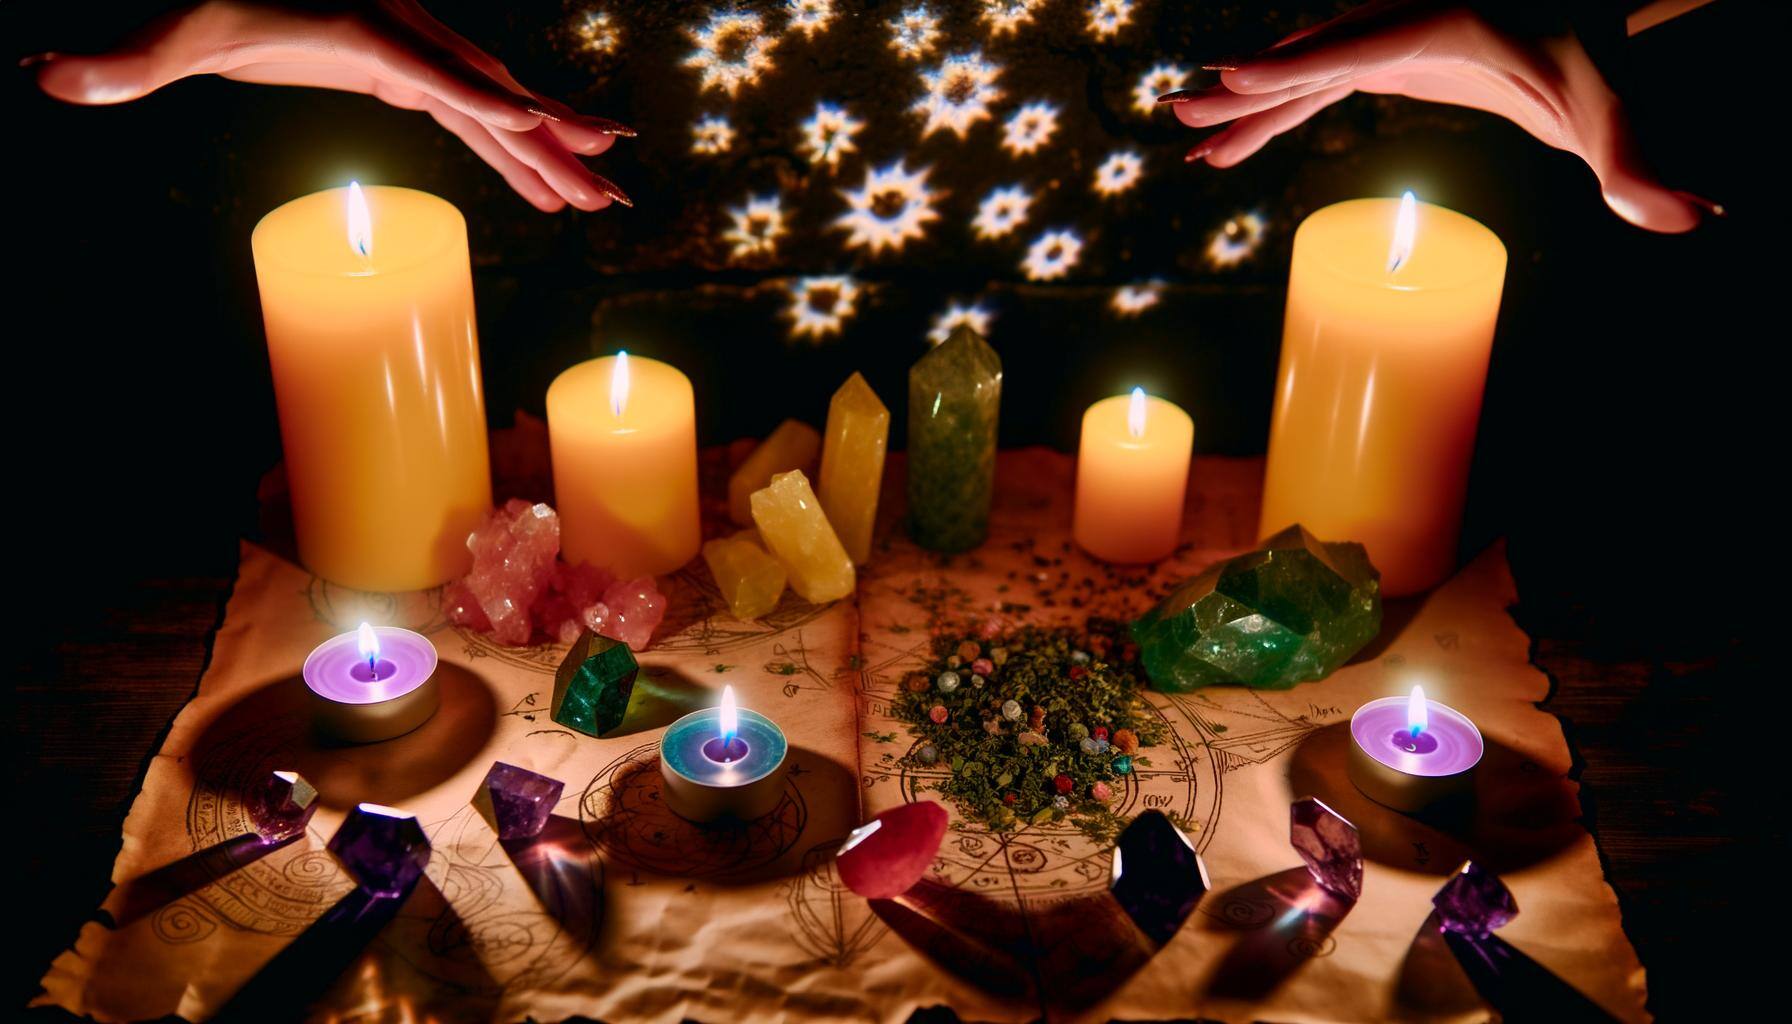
{"points": [[1307, 947], [181, 923], [1248, 913], [311, 868]]}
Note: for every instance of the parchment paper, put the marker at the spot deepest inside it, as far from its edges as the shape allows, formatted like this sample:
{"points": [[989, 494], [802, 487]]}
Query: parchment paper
{"points": [[644, 917]]}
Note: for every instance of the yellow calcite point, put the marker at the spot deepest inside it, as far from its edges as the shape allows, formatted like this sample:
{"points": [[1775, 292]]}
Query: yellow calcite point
{"points": [[852, 464], [795, 529], [792, 446], [750, 579]]}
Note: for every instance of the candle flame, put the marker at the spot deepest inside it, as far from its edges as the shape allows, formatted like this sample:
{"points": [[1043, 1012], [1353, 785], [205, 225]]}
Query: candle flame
{"points": [[360, 222], [728, 718], [619, 385], [1406, 229], [1135, 413], [368, 643], [1417, 716]]}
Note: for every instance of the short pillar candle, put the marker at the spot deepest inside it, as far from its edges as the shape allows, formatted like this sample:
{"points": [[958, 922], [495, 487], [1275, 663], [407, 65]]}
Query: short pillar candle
{"points": [[1132, 477]]}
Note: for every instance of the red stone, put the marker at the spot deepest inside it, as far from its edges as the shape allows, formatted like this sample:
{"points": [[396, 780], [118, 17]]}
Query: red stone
{"points": [[983, 667], [886, 856], [1064, 784], [1078, 671], [1100, 732], [939, 714]]}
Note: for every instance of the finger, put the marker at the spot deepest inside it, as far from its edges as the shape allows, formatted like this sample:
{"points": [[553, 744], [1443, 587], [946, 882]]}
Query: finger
{"points": [[581, 133], [527, 182], [395, 54], [106, 78], [1247, 135], [561, 170], [1332, 55], [1219, 104]]}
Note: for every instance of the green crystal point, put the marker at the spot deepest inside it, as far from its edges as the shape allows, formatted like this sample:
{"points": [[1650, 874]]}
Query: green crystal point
{"points": [[1290, 612], [954, 396], [593, 684]]}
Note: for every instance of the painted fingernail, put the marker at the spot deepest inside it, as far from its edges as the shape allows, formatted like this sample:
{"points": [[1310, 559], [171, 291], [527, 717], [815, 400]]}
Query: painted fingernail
{"points": [[1198, 152], [35, 59], [607, 126], [1179, 96], [1221, 66], [608, 188], [544, 115]]}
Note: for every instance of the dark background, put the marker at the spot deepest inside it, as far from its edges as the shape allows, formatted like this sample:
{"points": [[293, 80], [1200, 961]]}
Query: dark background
{"points": [[1625, 449]]}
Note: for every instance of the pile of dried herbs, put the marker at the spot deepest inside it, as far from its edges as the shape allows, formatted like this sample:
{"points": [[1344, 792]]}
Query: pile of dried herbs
{"points": [[1035, 726]]}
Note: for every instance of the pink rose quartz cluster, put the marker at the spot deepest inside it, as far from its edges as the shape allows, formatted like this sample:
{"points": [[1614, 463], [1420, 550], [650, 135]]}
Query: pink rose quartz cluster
{"points": [[519, 587]]}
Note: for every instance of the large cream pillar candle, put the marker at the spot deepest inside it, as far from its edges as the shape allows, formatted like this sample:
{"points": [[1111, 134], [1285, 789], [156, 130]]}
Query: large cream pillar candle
{"points": [[1391, 310], [369, 313], [1131, 478], [623, 431]]}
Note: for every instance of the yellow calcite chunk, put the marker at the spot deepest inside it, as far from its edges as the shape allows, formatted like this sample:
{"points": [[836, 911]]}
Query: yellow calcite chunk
{"points": [[852, 464], [795, 529], [792, 446], [750, 579]]}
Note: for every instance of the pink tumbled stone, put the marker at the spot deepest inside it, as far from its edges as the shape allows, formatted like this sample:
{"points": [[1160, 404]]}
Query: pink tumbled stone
{"points": [[887, 855], [629, 612], [514, 553]]}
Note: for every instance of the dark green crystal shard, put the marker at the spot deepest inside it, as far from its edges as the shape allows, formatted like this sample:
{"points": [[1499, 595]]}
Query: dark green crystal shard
{"points": [[954, 398], [592, 686], [1290, 612]]}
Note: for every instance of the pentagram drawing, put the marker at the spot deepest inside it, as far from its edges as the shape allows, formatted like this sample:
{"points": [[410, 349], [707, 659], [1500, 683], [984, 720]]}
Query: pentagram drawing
{"points": [[624, 816]]}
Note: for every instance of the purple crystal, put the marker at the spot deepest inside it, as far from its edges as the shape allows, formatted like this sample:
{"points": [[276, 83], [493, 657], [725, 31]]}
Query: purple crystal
{"points": [[1330, 845], [382, 848], [281, 806], [1158, 877], [522, 800], [1474, 901]]}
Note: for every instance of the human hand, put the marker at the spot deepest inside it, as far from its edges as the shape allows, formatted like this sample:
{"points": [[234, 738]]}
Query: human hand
{"points": [[1445, 53], [390, 49]]}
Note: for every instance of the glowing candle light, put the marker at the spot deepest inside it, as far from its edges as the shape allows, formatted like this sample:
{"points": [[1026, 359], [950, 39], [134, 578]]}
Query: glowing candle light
{"points": [[1391, 310], [723, 762], [373, 683], [623, 433], [1409, 752], [367, 296], [1132, 477]]}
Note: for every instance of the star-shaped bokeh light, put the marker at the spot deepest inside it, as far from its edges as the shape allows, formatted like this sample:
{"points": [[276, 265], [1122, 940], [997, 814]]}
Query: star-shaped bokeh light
{"points": [[957, 93], [890, 209]]}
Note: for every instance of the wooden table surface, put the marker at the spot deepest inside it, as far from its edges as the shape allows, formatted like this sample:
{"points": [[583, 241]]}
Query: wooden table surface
{"points": [[94, 700]]}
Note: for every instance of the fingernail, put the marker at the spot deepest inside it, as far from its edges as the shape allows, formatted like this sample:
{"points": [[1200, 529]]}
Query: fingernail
{"points": [[1179, 96], [608, 188], [1222, 64], [544, 115], [35, 59], [1198, 152], [607, 126]]}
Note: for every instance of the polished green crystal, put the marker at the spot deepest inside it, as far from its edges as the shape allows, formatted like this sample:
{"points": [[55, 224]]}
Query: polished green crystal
{"points": [[954, 395], [1290, 612], [593, 684]]}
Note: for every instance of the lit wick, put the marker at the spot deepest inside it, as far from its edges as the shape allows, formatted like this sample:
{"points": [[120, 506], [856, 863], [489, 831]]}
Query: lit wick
{"points": [[368, 643], [619, 385], [1406, 228], [1135, 413], [1417, 717], [360, 222], [727, 747]]}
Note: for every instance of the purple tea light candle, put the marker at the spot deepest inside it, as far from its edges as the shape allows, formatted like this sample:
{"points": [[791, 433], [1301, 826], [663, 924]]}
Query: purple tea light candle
{"points": [[723, 762], [372, 684], [1410, 753]]}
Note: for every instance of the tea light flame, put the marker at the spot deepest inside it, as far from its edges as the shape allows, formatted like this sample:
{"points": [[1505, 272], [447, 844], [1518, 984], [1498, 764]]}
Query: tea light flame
{"points": [[619, 385], [728, 718], [1135, 413], [360, 221], [1417, 716], [1406, 229], [368, 643]]}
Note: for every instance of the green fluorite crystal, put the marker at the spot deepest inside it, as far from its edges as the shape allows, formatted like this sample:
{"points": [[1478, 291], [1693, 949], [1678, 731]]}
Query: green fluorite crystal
{"points": [[592, 686], [954, 395], [1291, 611]]}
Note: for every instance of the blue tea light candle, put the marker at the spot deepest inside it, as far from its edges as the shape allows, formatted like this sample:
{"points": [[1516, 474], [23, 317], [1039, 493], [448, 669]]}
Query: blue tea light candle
{"points": [[723, 762]]}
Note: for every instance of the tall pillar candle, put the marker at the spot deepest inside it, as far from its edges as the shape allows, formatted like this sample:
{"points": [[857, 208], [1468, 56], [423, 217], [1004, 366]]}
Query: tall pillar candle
{"points": [[1132, 477], [623, 434], [367, 297], [1391, 311]]}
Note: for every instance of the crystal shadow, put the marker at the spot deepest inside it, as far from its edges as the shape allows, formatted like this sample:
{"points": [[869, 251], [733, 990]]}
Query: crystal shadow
{"points": [[1282, 920]]}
